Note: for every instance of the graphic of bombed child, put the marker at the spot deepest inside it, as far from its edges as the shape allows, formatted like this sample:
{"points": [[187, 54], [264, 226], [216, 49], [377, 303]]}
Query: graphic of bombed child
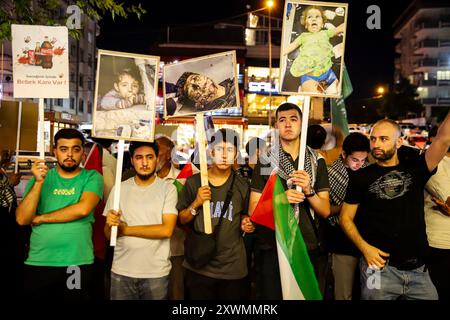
{"points": [[313, 65]]}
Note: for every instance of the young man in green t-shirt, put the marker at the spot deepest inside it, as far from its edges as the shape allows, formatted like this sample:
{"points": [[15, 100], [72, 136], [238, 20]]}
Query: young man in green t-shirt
{"points": [[59, 204]]}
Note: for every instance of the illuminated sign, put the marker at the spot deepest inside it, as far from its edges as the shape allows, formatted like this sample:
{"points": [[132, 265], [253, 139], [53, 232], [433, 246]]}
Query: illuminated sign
{"points": [[259, 82]]}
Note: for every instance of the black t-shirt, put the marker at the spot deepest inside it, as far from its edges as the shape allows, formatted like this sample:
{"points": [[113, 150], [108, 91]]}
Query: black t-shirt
{"points": [[266, 236], [337, 241], [230, 261], [390, 214]]}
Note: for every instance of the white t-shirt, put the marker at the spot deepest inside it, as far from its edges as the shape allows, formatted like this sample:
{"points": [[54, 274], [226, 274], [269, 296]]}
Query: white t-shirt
{"points": [[138, 257], [438, 224]]}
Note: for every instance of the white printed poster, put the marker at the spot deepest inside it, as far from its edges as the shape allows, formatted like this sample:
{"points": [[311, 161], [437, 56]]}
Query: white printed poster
{"points": [[40, 61]]}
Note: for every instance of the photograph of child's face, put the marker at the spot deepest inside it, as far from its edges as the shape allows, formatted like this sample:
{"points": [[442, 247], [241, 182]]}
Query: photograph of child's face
{"points": [[127, 86], [312, 50], [314, 20], [125, 96]]}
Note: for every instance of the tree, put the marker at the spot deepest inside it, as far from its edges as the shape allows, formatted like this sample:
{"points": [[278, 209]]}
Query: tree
{"points": [[401, 101], [46, 12]]}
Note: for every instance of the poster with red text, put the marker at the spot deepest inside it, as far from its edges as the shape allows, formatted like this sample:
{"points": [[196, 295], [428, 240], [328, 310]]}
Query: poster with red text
{"points": [[40, 61]]}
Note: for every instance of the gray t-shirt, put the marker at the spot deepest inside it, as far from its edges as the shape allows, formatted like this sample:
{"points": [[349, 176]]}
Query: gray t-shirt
{"points": [[230, 260], [137, 257]]}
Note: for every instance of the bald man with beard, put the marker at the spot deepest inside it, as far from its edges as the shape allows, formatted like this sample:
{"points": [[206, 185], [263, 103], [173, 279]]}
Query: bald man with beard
{"points": [[383, 214]]}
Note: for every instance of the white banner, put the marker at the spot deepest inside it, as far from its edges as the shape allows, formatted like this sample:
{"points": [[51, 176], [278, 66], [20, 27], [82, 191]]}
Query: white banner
{"points": [[40, 61]]}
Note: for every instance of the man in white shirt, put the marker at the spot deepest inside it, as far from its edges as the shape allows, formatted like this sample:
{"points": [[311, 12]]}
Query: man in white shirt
{"points": [[437, 219], [145, 221]]}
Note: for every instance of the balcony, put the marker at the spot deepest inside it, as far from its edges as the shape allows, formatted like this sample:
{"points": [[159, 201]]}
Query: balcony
{"points": [[427, 83], [443, 101], [426, 25], [428, 100], [431, 62], [433, 83], [427, 43], [436, 101], [443, 83], [427, 62], [442, 23]]}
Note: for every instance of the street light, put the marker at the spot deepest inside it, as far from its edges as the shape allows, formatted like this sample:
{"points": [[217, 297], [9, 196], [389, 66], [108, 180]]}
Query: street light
{"points": [[269, 5], [380, 90]]}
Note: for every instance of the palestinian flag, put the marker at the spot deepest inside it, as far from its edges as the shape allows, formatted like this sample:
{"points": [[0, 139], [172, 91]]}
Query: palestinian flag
{"points": [[188, 170], [298, 280], [338, 111], [94, 162]]}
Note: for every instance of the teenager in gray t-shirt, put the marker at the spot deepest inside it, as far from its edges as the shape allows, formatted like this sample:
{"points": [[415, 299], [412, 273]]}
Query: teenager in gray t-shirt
{"points": [[222, 277]]}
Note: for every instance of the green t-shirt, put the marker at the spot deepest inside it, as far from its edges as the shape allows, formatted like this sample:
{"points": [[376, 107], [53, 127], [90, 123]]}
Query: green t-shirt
{"points": [[68, 243], [315, 53]]}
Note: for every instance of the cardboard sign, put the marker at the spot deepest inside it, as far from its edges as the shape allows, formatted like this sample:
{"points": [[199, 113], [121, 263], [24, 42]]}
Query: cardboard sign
{"points": [[125, 96], [40, 61], [312, 48], [201, 85]]}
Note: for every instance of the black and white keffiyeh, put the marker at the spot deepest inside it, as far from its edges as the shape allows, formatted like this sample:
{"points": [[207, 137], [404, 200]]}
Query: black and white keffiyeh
{"points": [[7, 195], [283, 166], [338, 178]]}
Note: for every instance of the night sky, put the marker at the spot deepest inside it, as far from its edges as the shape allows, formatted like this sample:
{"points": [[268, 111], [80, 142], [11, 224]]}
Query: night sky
{"points": [[369, 54]]}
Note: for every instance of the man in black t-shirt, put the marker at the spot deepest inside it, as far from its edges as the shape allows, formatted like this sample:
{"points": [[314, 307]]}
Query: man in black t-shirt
{"points": [[386, 202], [345, 255], [311, 203]]}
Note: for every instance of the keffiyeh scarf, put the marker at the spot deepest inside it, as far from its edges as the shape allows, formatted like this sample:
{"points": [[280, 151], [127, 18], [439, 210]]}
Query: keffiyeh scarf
{"points": [[283, 166]]}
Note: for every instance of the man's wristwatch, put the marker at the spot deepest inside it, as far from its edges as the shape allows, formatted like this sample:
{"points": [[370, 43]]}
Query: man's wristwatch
{"points": [[193, 211], [310, 194]]}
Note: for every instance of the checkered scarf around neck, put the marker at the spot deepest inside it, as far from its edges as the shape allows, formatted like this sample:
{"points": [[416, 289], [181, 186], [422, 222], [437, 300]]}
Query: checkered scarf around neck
{"points": [[283, 166], [338, 178], [7, 195]]}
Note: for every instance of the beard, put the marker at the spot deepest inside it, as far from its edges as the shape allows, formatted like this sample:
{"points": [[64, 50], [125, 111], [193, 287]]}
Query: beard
{"points": [[385, 154], [69, 168], [145, 177]]}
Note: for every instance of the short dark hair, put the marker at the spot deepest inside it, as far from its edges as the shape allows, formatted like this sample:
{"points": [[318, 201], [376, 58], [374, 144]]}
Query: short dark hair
{"points": [[288, 106], [68, 133], [355, 142], [137, 144], [316, 136], [253, 144], [225, 135], [132, 72]]}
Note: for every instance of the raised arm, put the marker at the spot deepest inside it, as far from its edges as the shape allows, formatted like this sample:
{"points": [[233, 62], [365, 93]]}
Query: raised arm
{"points": [[26, 211], [439, 146]]}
